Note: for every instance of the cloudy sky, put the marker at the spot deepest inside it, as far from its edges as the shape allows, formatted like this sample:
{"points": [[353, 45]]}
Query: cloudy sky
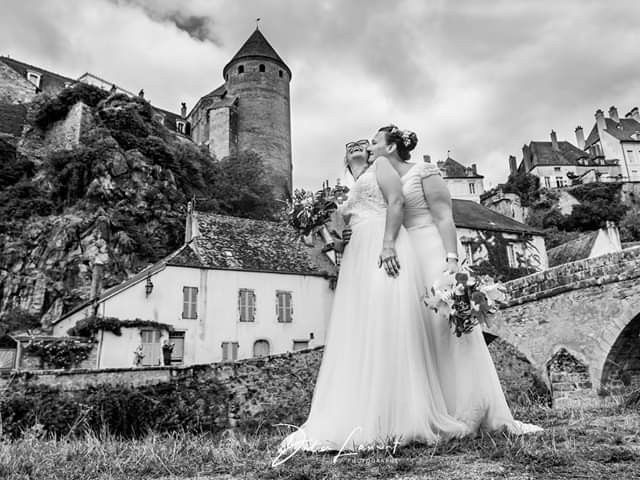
{"points": [[477, 77]]}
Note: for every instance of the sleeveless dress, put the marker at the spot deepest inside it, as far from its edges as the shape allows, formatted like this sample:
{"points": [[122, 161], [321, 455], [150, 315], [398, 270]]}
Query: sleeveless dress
{"points": [[467, 374], [377, 380]]}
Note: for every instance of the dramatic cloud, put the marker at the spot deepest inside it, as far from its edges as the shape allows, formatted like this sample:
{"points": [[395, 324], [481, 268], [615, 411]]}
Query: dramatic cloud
{"points": [[197, 26], [477, 78]]}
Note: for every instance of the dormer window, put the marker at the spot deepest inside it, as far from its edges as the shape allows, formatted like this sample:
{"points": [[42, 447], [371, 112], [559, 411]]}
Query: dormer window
{"points": [[241, 69], [262, 68], [180, 126], [34, 77]]}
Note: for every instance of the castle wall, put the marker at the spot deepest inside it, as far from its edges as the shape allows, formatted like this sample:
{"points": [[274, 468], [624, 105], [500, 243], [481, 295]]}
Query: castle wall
{"points": [[264, 117], [13, 87]]}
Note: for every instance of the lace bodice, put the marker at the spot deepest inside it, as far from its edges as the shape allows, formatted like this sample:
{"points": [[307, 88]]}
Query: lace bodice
{"points": [[365, 199], [416, 209]]}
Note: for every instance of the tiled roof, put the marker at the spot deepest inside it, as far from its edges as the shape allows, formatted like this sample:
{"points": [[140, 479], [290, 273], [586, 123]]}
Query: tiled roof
{"points": [[542, 153], [48, 81], [12, 118], [469, 214], [623, 131], [257, 47], [150, 270], [454, 169], [232, 243], [577, 249]]}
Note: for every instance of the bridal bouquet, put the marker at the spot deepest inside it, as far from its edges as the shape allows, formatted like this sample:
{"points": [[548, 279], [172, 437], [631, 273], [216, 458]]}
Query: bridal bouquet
{"points": [[468, 300], [310, 212]]}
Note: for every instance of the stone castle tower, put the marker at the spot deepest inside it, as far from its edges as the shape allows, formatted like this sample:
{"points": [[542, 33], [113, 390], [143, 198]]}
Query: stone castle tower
{"points": [[250, 111]]}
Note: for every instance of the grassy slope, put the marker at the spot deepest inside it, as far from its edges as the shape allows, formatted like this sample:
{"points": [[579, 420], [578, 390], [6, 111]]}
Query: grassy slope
{"points": [[603, 443]]}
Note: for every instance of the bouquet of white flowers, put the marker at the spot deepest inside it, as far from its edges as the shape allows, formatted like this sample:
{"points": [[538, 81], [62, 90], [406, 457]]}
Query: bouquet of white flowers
{"points": [[467, 299]]}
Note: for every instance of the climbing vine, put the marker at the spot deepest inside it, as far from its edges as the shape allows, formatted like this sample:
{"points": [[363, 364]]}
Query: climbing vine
{"points": [[495, 258], [89, 326], [60, 352]]}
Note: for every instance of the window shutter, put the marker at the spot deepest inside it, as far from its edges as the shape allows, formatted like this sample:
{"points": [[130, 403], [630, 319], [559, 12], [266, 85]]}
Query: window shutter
{"points": [[185, 302], [290, 301], [252, 296], [194, 302], [234, 351], [224, 350], [240, 304], [278, 309]]}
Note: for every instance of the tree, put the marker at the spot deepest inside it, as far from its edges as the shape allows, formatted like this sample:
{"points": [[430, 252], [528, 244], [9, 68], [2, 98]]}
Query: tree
{"points": [[526, 185]]}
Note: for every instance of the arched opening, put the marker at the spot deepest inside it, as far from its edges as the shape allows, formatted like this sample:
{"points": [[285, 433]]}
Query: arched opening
{"points": [[569, 377], [280, 73], [262, 67], [261, 348], [622, 366], [241, 69]]}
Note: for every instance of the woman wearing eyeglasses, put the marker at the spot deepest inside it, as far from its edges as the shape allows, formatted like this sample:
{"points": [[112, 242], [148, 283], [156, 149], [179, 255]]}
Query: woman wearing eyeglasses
{"points": [[376, 387]]}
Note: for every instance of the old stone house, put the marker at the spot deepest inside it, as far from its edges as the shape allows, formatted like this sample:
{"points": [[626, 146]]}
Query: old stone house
{"points": [[587, 245], [464, 182], [237, 288], [615, 139], [477, 224], [560, 163]]}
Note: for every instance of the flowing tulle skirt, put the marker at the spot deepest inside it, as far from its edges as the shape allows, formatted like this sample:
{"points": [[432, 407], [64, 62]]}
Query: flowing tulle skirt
{"points": [[377, 384], [467, 374]]}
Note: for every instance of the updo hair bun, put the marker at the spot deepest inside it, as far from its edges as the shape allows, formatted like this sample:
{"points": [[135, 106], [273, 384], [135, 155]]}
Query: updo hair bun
{"points": [[405, 140]]}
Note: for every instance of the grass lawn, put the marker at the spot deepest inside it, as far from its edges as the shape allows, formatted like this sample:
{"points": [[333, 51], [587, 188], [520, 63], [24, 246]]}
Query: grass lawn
{"points": [[577, 443]]}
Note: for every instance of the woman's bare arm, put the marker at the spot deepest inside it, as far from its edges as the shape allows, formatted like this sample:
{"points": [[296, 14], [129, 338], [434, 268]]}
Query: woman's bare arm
{"points": [[391, 187]]}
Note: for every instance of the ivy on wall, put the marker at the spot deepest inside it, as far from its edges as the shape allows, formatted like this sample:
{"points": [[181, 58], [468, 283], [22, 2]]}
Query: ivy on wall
{"points": [[89, 326], [496, 261], [60, 352]]}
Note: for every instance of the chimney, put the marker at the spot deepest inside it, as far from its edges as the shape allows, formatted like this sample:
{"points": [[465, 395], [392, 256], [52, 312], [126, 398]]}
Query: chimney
{"points": [[188, 228], [474, 168], [634, 114], [602, 125], [513, 164], [526, 158], [613, 114], [427, 158], [580, 137], [183, 110], [554, 141]]}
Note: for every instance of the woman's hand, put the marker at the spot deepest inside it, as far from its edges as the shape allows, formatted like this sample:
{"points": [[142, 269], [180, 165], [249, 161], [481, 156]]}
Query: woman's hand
{"points": [[452, 266], [389, 260]]}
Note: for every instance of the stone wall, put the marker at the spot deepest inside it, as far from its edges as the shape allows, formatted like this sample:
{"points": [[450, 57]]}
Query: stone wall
{"points": [[582, 308], [13, 87], [272, 389], [66, 134]]}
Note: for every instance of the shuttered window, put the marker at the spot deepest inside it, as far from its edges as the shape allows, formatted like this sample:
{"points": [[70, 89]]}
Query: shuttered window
{"points": [[190, 302], [229, 351], [284, 307], [247, 305], [261, 348]]}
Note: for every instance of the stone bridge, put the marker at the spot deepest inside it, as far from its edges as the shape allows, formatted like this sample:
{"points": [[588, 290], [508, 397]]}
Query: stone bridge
{"points": [[578, 324]]}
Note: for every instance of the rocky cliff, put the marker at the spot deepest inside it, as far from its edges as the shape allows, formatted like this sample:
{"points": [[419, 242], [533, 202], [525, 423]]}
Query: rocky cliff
{"points": [[93, 178]]}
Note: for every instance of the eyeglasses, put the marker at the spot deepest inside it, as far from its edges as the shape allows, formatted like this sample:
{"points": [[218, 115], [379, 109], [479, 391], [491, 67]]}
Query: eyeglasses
{"points": [[359, 143]]}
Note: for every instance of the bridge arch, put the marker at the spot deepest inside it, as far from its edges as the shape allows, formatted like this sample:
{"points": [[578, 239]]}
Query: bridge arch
{"points": [[621, 367]]}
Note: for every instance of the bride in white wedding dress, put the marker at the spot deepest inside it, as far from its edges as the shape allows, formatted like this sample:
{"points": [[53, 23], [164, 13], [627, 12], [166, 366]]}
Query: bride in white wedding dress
{"points": [[377, 382], [468, 377]]}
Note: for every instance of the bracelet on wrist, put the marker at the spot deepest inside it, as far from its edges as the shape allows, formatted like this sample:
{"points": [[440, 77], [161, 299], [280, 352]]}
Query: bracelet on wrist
{"points": [[452, 256]]}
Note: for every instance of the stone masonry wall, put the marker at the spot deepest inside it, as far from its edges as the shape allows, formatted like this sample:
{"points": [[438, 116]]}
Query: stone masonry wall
{"points": [[582, 307], [272, 389], [13, 87], [66, 134]]}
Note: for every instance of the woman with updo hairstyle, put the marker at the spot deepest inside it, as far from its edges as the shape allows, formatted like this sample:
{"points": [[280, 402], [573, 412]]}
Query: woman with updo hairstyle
{"points": [[467, 376]]}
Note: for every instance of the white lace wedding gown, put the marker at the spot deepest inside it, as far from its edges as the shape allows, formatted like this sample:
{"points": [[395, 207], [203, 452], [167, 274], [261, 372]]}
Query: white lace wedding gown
{"points": [[377, 382], [468, 377]]}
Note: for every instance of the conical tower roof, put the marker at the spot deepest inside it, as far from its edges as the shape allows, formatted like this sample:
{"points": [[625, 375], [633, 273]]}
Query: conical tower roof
{"points": [[257, 47]]}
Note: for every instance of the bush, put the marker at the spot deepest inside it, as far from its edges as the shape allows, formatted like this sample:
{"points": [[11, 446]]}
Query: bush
{"points": [[56, 108], [527, 186], [630, 226], [125, 412]]}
